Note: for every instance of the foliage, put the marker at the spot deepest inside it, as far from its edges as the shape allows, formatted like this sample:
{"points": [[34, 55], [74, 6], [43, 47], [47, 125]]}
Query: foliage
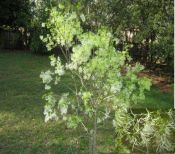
{"points": [[152, 130], [102, 80], [39, 16], [36, 45], [146, 24], [15, 13], [61, 33]]}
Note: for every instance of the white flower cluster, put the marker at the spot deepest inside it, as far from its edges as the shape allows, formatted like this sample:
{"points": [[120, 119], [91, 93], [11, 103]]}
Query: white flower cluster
{"points": [[56, 62], [46, 78], [49, 112], [63, 105], [63, 28], [106, 116], [71, 66], [116, 87], [43, 25], [59, 70], [81, 54]]}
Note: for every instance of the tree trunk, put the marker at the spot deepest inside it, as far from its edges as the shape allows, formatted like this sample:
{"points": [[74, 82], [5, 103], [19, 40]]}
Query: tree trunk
{"points": [[93, 137], [90, 142]]}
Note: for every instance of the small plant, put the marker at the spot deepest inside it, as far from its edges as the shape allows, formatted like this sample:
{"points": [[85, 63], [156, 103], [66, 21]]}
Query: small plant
{"points": [[101, 82], [147, 133]]}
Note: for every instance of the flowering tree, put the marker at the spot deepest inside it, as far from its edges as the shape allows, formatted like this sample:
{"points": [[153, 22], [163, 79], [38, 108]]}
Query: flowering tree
{"points": [[102, 80]]}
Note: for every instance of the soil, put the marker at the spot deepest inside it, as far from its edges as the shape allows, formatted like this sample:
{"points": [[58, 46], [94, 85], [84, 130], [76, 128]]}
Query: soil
{"points": [[163, 81]]}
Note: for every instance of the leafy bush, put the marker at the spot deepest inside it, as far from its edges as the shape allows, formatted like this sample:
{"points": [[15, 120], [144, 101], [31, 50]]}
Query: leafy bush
{"points": [[36, 45], [149, 133]]}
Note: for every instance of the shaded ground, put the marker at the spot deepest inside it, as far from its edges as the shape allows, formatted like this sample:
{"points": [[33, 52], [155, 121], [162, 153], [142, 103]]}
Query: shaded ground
{"points": [[163, 82], [22, 127]]}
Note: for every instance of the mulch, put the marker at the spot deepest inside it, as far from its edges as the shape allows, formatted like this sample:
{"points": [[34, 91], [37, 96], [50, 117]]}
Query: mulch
{"points": [[162, 81]]}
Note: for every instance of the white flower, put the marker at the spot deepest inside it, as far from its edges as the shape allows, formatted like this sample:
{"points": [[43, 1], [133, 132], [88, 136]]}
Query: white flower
{"points": [[46, 76], [64, 118], [105, 93], [107, 112], [80, 69], [52, 60], [116, 87], [93, 77], [118, 74], [98, 120], [67, 66], [63, 110], [114, 123], [74, 66], [47, 87], [59, 71], [71, 66], [41, 37], [56, 80], [43, 25], [49, 114], [86, 76]]}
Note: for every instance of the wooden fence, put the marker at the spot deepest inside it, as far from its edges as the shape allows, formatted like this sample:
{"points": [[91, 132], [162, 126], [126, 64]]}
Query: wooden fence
{"points": [[10, 39]]}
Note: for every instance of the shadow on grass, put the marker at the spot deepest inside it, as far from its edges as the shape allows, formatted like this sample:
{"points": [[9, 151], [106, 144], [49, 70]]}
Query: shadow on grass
{"points": [[30, 148], [35, 136]]}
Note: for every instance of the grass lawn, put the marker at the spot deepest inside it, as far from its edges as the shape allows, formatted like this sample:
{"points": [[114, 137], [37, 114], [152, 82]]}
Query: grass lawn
{"points": [[22, 127]]}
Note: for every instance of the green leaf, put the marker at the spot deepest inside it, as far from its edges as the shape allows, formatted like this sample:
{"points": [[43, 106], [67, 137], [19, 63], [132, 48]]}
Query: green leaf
{"points": [[61, 6]]}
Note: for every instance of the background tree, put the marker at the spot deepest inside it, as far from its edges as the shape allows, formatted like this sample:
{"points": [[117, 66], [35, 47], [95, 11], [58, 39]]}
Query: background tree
{"points": [[15, 13], [148, 25], [16, 17]]}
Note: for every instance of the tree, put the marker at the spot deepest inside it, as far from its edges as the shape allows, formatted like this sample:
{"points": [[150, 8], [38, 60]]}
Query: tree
{"points": [[102, 81], [15, 13]]}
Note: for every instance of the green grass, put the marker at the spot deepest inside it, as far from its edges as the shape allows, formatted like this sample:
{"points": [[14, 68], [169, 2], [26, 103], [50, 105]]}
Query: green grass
{"points": [[155, 99], [22, 127]]}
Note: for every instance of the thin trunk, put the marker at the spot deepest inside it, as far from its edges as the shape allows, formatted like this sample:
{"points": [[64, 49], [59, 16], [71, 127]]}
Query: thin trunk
{"points": [[146, 55], [93, 137], [95, 134], [90, 142]]}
